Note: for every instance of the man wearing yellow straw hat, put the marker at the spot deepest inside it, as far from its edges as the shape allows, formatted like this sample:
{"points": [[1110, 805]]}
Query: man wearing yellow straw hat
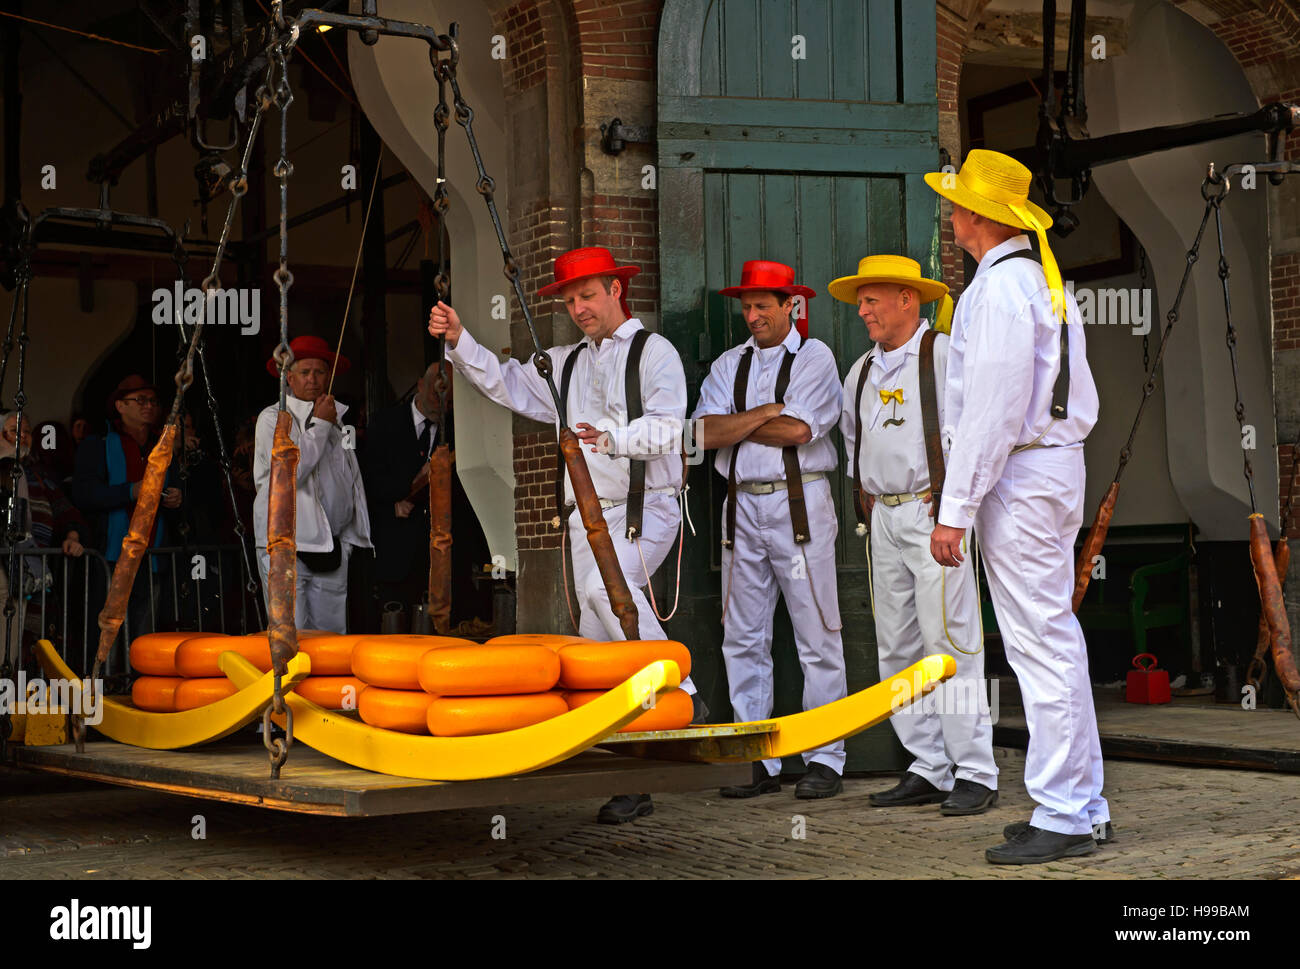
{"points": [[1020, 401], [893, 408]]}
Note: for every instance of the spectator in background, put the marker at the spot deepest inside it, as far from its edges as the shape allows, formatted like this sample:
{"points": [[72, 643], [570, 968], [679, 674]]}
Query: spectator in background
{"points": [[80, 428], [55, 521], [54, 450], [106, 482]]}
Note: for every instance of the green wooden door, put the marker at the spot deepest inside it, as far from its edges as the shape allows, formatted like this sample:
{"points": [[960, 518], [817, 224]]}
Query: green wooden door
{"points": [[814, 161]]}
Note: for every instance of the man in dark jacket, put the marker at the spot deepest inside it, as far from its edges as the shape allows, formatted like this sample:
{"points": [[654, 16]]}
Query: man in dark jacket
{"points": [[398, 443], [109, 470]]}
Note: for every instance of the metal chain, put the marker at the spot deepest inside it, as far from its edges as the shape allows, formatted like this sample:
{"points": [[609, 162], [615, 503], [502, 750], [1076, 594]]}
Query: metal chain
{"points": [[441, 202], [283, 169], [278, 748], [13, 526], [486, 186], [1216, 202], [1142, 275], [1193, 254]]}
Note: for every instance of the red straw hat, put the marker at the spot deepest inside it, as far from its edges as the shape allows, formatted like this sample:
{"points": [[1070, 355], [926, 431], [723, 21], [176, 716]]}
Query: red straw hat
{"points": [[311, 348], [774, 276]]}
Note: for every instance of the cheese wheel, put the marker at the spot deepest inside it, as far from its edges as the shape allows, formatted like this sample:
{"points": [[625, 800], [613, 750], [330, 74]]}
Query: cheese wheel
{"points": [[331, 655], [602, 666], [156, 693], [404, 710], [488, 670], [551, 640], [329, 691], [392, 661], [672, 711], [464, 716], [199, 692], [198, 655], [154, 654]]}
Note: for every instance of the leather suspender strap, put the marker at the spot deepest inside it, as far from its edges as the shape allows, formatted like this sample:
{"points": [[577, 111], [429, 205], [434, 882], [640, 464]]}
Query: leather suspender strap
{"points": [[930, 418], [859, 506], [1060, 389], [566, 377], [790, 458], [740, 398], [635, 408]]}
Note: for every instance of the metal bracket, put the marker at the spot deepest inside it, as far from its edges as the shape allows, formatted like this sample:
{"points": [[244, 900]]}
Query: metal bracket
{"points": [[615, 135]]}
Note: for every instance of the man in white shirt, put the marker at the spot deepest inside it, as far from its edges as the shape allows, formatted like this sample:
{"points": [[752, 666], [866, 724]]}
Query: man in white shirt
{"points": [[1017, 420], [920, 608], [768, 406], [594, 291], [331, 514]]}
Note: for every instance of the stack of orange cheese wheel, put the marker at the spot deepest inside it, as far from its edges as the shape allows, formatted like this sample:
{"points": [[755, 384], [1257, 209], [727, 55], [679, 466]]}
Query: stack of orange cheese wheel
{"points": [[389, 666], [587, 670], [180, 670]]}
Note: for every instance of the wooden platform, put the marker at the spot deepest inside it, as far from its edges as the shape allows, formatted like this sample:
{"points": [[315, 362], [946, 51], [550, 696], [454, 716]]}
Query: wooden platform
{"points": [[312, 783], [1214, 735]]}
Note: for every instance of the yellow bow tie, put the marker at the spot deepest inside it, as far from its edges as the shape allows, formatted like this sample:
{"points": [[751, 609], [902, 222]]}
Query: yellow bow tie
{"points": [[895, 395]]}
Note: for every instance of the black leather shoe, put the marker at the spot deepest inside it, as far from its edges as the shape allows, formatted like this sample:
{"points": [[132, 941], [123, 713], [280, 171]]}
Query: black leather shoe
{"points": [[763, 783], [1020, 828], [1036, 846], [820, 781], [969, 797], [912, 789], [701, 714], [624, 808]]}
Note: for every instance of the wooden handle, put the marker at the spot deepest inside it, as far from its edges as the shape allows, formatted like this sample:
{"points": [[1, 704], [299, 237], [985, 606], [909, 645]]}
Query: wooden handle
{"points": [[439, 478], [282, 546], [136, 541], [1270, 597], [1093, 543], [602, 546]]}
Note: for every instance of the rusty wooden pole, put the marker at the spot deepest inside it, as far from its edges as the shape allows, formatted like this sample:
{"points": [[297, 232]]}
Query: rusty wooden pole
{"points": [[281, 547], [1270, 597], [440, 539]]}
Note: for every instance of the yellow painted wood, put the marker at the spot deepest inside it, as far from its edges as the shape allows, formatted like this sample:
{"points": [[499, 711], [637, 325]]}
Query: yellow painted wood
{"points": [[858, 711], [171, 731], [467, 758]]}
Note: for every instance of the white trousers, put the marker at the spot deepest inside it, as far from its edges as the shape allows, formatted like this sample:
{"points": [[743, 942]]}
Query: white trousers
{"points": [[766, 562], [320, 599], [660, 522], [922, 608], [1026, 526]]}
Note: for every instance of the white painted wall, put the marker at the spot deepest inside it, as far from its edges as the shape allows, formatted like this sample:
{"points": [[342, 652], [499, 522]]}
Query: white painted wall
{"points": [[1176, 70], [397, 89]]}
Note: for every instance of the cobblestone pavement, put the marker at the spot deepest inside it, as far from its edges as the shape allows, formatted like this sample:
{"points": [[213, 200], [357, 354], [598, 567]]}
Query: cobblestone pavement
{"points": [[1171, 822]]}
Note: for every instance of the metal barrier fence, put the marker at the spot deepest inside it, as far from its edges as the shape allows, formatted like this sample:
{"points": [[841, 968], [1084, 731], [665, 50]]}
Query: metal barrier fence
{"points": [[201, 587]]}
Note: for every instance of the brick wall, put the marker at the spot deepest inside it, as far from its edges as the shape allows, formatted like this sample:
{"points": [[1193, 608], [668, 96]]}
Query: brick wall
{"points": [[526, 49], [628, 226], [952, 31], [535, 491], [617, 39]]}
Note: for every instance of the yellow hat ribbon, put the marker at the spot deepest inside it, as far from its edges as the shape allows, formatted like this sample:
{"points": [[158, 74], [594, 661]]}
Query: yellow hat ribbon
{"points": [[943, 319], [1014, 198]]}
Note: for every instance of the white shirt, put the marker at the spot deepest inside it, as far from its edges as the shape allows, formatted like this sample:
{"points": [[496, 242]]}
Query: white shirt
{"points": [[320, 448], [1003, 360], [420, 420], [596, 397], [893, 455], [813, 397]]}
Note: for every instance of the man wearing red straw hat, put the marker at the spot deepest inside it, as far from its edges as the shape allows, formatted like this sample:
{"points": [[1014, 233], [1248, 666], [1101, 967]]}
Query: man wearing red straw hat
{"points": [[1020, 401], [768, 407], [332, 517], [592, 378]]}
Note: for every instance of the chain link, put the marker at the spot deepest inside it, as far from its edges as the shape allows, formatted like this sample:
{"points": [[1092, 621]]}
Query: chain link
{"points": [[1171, 318], [485, 186], [283, 169], [441, 202], [1239, 408]]}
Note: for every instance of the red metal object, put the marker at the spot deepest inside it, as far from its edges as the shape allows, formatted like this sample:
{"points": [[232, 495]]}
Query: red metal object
{"points": [[1147, 683], [281, 547], [602, 546], [440, 539], [136, 541], [1093, 543]]}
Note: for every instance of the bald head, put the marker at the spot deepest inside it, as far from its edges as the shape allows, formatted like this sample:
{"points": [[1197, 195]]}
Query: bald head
{"points": [[426, 392]]}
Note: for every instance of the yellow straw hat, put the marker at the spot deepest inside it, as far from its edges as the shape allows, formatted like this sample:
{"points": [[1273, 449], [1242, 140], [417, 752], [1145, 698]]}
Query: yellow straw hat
{"points": [[886, 269], [996, 186]]}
